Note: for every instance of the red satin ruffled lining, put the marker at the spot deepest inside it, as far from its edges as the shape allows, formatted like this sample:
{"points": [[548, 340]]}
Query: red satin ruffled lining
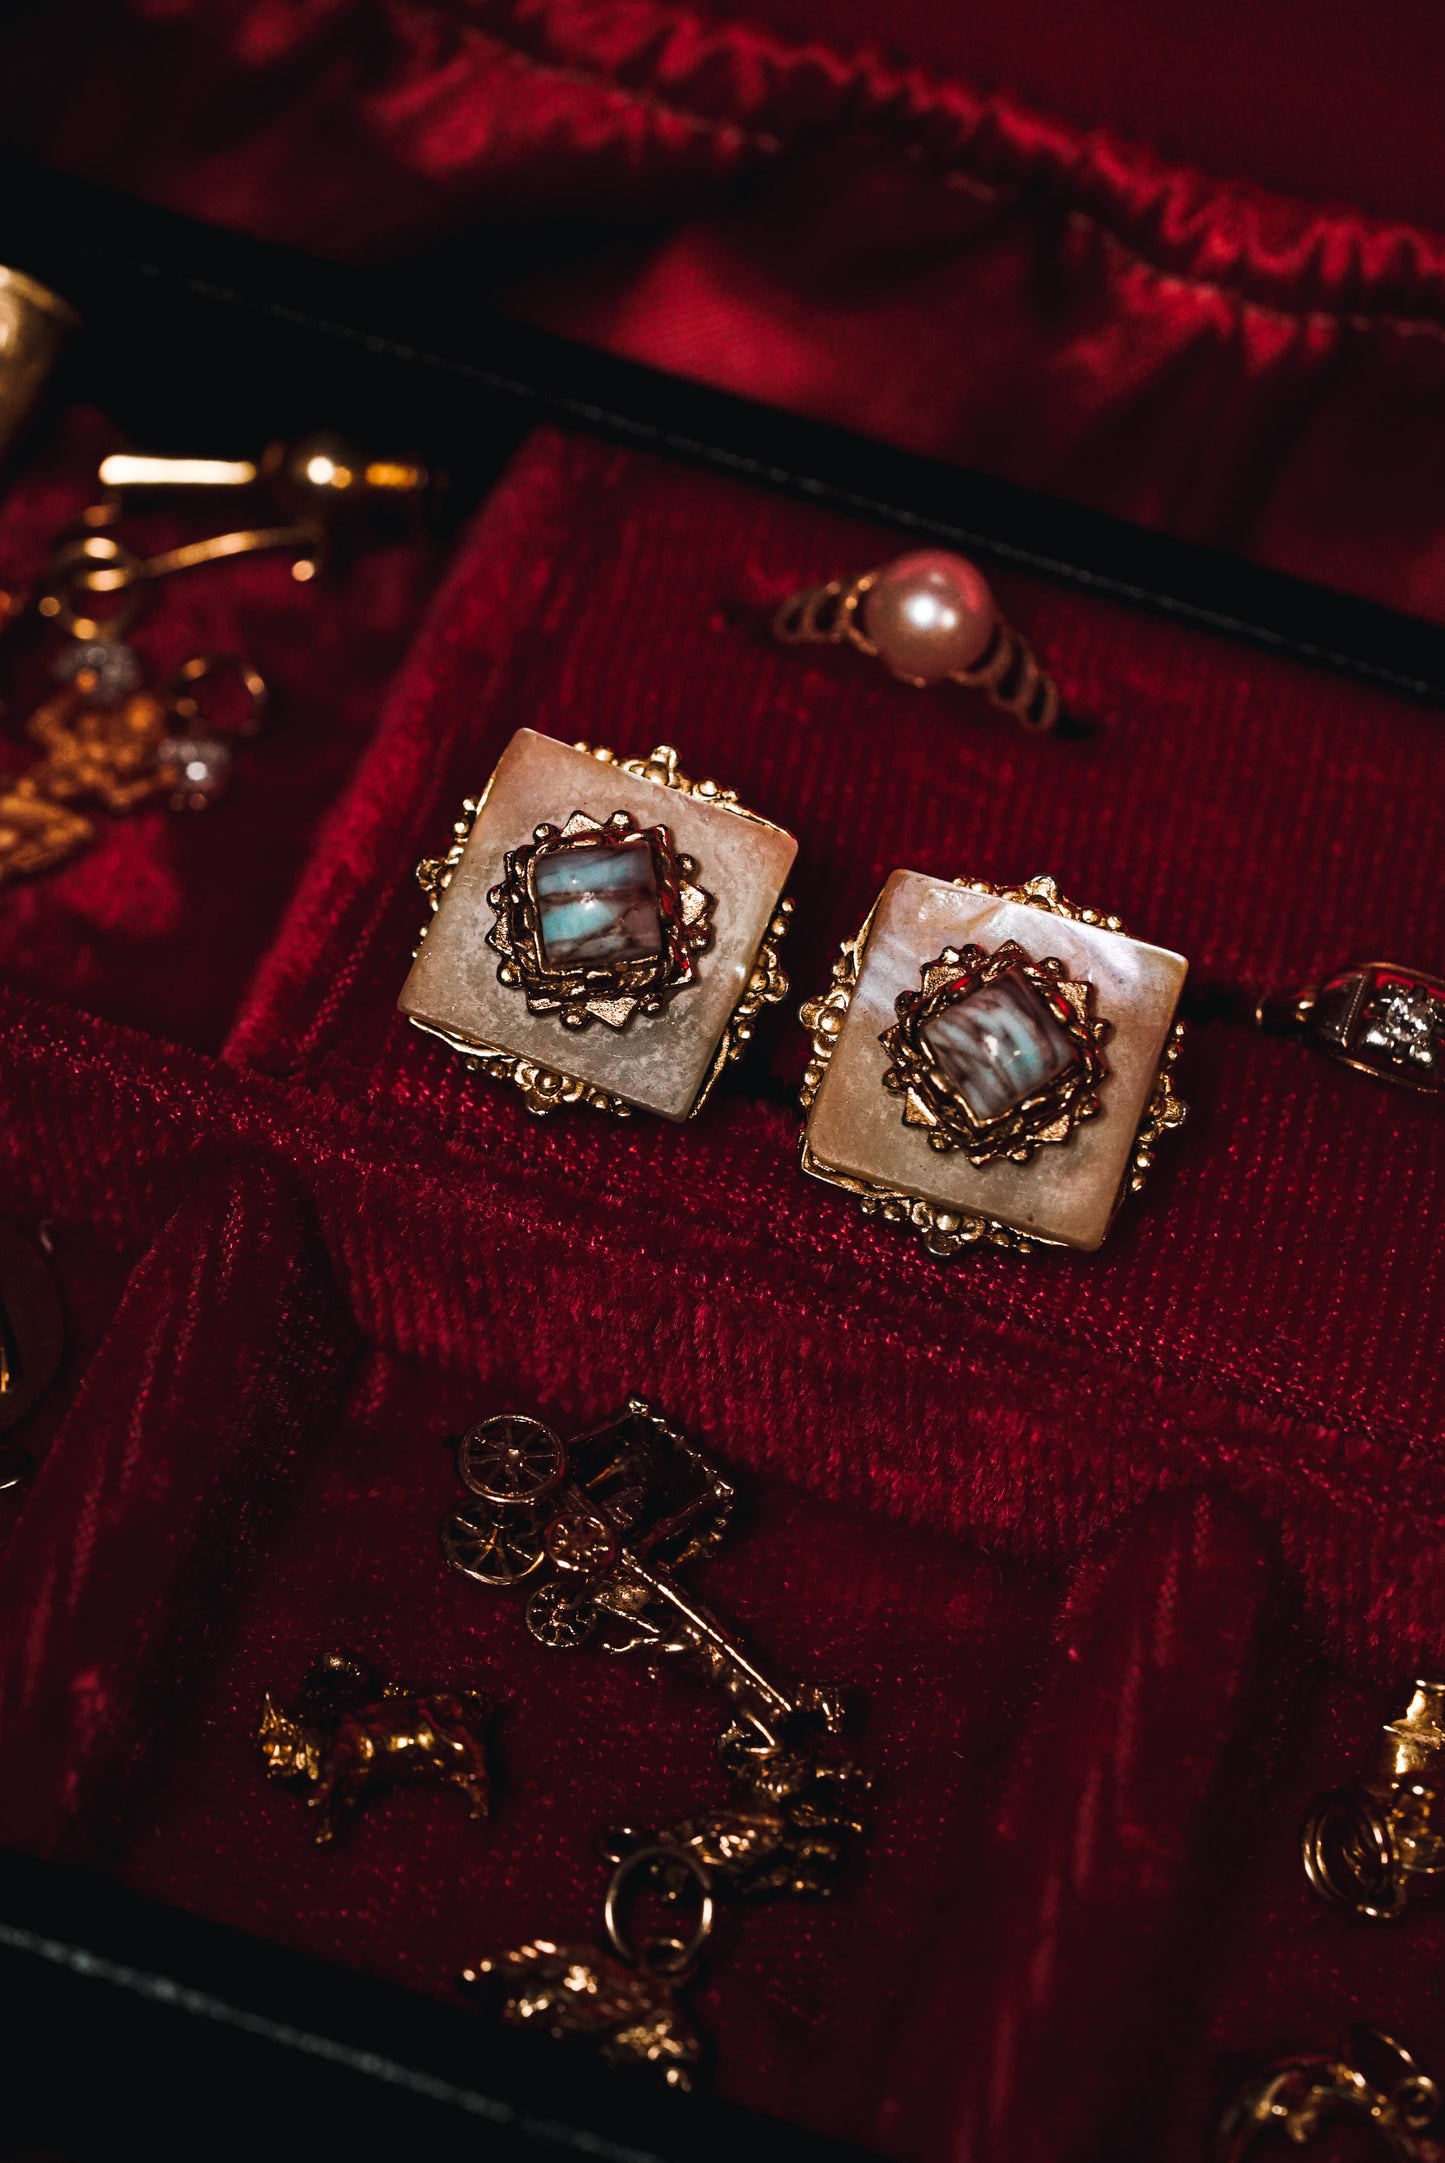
{"points": [[847, 236]]}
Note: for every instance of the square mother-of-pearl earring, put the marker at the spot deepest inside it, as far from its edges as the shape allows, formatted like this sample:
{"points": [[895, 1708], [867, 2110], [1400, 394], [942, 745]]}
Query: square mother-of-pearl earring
{"points": [[991, 1064], [605, 931]]}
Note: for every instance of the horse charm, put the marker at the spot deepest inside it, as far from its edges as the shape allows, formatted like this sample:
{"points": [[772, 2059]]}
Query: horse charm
{"points": [[348, 1738], [630, 2014]]}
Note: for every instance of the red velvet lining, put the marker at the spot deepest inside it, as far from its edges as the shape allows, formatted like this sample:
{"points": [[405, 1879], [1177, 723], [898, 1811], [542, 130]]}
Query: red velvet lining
{"points": [[843, 233], [885, 1406], [1083, 1809], [159, 1481], [417, 1891], [1128, 1556], [626, 623]]}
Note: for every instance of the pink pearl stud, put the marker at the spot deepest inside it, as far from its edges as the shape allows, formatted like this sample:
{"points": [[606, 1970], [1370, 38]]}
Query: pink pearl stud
{"points": [[930, 617]]}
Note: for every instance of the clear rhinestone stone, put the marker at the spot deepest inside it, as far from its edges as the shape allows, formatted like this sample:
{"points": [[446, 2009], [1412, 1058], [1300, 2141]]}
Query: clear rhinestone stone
{"points": [[202, 767], [113, 664], [1406, 1024]]}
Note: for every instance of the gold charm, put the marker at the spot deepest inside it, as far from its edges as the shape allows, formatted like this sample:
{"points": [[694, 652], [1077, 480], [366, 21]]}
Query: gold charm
{"points": [[794, 1826], [986, 1010], [107, 743], [632, 2015], [624, 2002], [1371, 2081], [114, 754], [348, 1738], [1369, 1847], [614, 891], [597, 1529]]}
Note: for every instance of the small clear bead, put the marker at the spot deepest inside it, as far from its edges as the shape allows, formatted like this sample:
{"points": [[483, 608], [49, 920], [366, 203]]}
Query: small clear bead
{"points": [[202, 766], [114, 665]]}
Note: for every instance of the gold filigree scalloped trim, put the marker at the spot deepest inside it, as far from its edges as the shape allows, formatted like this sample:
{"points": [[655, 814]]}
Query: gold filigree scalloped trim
{"points": [[767, 985], [544, 1089], [661, 766], [946, 1232]]}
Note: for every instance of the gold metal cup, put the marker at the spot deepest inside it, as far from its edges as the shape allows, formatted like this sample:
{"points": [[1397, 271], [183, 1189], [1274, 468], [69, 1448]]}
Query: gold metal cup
{"points": [[34, 324]]}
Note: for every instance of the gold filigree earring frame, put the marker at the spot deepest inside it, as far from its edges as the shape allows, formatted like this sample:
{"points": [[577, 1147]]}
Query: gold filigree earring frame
{"points": [[923, 1175], [718, 871]]}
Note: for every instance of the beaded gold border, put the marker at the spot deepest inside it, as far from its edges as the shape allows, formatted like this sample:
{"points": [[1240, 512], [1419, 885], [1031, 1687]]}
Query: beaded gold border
{"points": [[944, 1232], [545, 1089]]}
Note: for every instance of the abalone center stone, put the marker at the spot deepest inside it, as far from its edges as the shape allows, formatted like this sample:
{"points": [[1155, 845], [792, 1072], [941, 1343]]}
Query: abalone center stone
{"points": [[999, 1044], [597, 904]]}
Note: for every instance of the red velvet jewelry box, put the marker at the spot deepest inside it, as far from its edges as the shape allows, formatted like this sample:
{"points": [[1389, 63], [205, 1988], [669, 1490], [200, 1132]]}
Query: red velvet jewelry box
{"points": [[1123, 1558]]}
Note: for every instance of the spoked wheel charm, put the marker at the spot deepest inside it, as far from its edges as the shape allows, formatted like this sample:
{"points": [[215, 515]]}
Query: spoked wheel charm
{"points": [[559, 1618], [510, 1459], [493, 1547]]}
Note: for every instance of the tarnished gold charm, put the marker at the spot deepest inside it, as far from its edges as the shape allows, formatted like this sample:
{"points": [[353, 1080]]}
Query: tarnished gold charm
{"points": [[1368, 1848], [631, 2014], [614, 891], [347, 1738], [116, 752], [986, 1010], [1371, 2082], [796, 1822], [625, 2001], [597, 1529]]}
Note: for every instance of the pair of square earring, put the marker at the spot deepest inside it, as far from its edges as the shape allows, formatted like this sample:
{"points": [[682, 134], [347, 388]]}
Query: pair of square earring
{"points": [[991, 1065]]}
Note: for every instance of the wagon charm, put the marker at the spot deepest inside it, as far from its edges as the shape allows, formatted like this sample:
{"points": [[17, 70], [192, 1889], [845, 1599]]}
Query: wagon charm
{"points": [[599, 1529], [595, 1533]]}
